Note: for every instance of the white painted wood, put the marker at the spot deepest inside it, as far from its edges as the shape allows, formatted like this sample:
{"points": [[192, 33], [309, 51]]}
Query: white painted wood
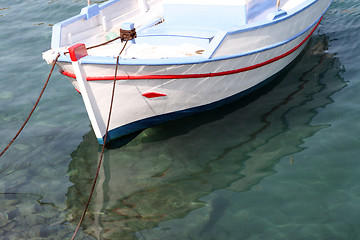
{"points": [[143, 5], [97, 121], [251, 47]]}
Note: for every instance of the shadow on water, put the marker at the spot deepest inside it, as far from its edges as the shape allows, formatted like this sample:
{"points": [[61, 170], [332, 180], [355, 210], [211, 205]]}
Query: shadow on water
{"points": [[164, 171]]}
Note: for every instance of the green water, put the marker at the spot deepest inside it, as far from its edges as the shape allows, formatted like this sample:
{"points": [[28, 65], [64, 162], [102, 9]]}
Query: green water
{"points": [[282, 163]]}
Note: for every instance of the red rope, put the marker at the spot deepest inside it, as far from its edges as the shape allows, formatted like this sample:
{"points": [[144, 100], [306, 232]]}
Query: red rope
{"points": [[103, 147], [33, 109]]}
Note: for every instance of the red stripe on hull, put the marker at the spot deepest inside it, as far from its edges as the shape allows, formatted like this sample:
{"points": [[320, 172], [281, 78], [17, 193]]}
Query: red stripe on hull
{"points": [[153, 95], [201, 75]]}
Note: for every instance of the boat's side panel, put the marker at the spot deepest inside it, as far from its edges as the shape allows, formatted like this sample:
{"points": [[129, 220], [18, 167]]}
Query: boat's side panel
{"points": [[276, 33], [148, 94], [186, 95], [159, 116]]}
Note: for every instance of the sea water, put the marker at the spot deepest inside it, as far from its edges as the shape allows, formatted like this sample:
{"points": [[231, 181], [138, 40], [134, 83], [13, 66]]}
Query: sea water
{"points": [[282, 163]]}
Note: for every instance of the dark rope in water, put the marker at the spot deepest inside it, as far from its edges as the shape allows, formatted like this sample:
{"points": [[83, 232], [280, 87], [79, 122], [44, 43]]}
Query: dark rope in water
{"points": [[45, 85], [107, 127], [33, 109], [103, 147]]}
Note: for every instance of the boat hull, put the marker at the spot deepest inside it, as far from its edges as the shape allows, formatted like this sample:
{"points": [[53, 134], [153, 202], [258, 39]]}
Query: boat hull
{"points": [[150, 94]]}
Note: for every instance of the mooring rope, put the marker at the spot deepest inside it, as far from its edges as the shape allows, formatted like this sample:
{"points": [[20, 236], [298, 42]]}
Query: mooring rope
{"points": [[38, 100], [104, 43], [33, 109], [107, 127], [103, 147]]}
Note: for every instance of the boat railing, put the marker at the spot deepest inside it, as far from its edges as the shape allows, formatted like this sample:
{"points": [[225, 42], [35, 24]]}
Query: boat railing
{"points": [[95, 21]]}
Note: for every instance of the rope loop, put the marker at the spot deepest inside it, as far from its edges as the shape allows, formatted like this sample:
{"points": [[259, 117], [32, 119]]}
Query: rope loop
{"points": [[126, 35]]}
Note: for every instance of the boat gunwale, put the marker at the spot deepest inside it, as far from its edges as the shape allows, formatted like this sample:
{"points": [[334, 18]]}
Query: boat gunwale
{"points": [[182, 61], [203, 75], [105, 60]]}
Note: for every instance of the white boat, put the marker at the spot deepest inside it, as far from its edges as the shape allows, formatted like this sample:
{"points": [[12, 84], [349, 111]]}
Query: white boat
{"points": [[188, 56]]}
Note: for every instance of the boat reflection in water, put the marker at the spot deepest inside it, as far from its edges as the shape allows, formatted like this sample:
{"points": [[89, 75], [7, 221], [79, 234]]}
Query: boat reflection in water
{"points": [[163, 172]]}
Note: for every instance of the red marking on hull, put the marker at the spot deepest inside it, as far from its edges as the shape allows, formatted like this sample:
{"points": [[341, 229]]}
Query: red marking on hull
{"points": [[153, 95]]}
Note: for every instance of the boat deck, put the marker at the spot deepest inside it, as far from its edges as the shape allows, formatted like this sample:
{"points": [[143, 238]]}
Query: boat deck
{"points": [[169, 28]]}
